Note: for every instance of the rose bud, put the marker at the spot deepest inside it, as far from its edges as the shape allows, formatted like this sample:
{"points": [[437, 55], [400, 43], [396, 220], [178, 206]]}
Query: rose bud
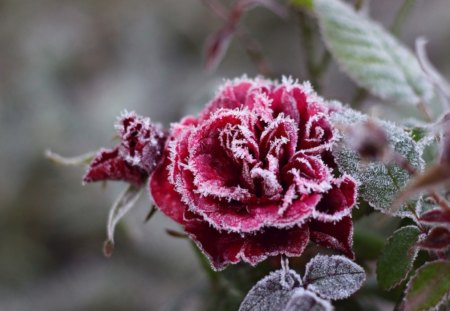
{"points": [[139, 151]]}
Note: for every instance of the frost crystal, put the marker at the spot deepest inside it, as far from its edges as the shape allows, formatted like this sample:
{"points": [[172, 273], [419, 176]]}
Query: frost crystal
{"points": [[333, 277]]}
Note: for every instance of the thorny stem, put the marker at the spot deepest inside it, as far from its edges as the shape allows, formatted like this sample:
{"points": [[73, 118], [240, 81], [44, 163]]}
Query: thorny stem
{"points": [[401, 16]]}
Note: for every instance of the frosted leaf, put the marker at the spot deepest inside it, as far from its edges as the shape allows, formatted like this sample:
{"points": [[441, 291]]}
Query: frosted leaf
{"points": [[123, 204], [272, 292], [304, 300], [370, 55], [333, 277], [379, 183]]}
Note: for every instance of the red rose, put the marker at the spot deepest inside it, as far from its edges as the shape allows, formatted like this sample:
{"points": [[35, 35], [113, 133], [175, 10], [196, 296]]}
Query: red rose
{"points": [[252, 176]]}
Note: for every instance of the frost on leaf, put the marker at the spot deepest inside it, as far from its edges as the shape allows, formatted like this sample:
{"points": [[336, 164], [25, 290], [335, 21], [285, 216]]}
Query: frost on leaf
{"points": [[304, 300], [379, 183], [333, 277], [371, 56], [428, 288], [272, 292], [397, 257]]}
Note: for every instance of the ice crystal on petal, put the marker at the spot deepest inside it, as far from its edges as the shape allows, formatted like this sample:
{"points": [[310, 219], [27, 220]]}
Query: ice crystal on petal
{"points": [[333, 277]]}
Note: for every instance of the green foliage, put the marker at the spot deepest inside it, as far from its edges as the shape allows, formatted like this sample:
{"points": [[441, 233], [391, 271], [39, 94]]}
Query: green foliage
{"points": [[428, 287], [379, 183], [370, 55], [397, 257]]}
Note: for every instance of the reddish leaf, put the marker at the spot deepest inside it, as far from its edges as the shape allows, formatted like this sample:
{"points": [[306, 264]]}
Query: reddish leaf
{"points": [[435, 216], [437, 239]]}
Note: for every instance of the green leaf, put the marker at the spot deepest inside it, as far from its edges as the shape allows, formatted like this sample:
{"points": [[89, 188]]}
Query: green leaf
{"points": [[397, 257], [370, 55], [379, 183], [429, 287]]}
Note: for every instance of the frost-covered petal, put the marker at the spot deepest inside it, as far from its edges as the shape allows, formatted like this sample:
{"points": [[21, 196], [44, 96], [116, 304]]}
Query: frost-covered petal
{"points": [[239, 217], [233, 94], [337, 236], [164, 194], [308, 173], [109, 165], [338, 201], [273, 242], [223, 248]]}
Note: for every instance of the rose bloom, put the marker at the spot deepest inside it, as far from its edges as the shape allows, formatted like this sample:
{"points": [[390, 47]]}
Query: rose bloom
{"points": [[253, 176]]}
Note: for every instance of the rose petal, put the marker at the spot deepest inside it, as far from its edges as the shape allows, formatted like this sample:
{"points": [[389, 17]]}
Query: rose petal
{"points": [[273, 242], [239, 217], [338, 201], [223, 248], [308, 173], [109, 165], [337, 236], [164, 194]]}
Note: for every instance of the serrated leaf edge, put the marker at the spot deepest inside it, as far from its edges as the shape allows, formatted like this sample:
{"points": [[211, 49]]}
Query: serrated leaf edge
{"points": [[414, 256]]}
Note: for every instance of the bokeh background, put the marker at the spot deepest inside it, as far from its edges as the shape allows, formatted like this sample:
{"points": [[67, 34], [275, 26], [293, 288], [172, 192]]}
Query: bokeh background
{"points": [[67, 69]]}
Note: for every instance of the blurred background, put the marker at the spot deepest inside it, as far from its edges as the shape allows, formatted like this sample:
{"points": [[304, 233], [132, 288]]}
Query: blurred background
{"points": [[67, 69]]}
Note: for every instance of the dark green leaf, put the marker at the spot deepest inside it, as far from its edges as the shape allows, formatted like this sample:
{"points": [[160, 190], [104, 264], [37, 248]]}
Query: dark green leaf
{"points": [[397, 257]]}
